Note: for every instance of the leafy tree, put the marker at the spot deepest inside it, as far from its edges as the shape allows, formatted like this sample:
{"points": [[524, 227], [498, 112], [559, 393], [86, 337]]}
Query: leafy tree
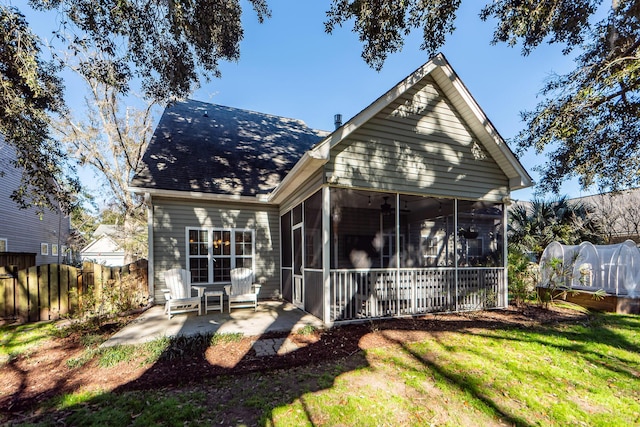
{"points": [[167, 45], [30, 92], [532, 226], [589, 118]]}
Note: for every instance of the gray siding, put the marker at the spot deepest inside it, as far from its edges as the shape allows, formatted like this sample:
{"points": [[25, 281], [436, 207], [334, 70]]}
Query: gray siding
{"points": [[171, 217], [418, 144], [25, 230]]}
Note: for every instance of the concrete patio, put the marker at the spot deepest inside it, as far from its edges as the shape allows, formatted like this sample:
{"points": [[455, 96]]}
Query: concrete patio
{"points": [[271, 316]]}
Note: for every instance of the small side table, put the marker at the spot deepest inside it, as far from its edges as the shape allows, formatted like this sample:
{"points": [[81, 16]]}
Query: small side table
{"points": [[216, 304]]}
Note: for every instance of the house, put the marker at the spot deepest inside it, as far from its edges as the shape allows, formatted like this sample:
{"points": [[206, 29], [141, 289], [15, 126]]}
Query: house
{"points": [[617, 212], [103, 248], [398, 211], [23, 230]]}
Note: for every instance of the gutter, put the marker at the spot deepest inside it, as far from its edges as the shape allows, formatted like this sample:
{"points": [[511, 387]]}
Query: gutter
{"points": [[310, 162], [176, 194]]}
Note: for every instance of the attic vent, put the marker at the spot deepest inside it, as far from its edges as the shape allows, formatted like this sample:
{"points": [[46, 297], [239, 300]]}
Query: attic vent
{"points": [[337, 120]]}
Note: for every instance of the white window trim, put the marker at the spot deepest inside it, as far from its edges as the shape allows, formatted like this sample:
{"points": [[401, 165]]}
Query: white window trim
{"points": [[44, 249], [6, 244], [210, 256], [54, 249]]}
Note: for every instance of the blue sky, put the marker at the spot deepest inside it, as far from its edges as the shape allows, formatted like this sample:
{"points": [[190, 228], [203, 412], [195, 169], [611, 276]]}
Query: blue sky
{"points": [[290, 67]]}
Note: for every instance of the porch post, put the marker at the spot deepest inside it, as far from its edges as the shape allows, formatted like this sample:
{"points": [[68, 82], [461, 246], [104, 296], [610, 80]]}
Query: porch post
{"points": [[505, 257], [326, 255], [397, 254], [455, 252]]}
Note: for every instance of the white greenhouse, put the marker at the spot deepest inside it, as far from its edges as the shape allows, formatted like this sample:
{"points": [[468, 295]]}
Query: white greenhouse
{"points": [[588, 267]]}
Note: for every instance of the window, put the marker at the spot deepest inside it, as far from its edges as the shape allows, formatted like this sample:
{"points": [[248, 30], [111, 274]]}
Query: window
{"points": [[430, 247], [198, 255], [474, 251], [54, 249], [4, 246], [213, 252], [44, 249]]}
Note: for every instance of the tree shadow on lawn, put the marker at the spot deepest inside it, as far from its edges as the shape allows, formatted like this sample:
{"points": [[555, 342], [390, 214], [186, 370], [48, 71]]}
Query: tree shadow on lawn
{"points": [[252, 388], [592, 339], [581, 340]]}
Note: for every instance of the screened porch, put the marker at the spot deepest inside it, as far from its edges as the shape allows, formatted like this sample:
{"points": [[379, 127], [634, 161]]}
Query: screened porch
{"points": [[392, 254]]}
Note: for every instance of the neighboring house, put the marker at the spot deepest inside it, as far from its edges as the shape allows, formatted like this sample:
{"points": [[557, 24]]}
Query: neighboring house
{"points": [[398, 211], [23, 230], [103, 248], [618, 213]]}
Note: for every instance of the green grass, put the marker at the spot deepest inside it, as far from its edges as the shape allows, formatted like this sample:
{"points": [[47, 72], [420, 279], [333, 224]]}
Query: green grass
{"points": [[131, 409], [582, 374], [20, 339], [307, 330], [573, 374], [152, 351]]}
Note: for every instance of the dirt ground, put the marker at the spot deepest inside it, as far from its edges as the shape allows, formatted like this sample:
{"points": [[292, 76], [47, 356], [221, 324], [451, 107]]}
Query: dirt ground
{"points": [[42, 374]]}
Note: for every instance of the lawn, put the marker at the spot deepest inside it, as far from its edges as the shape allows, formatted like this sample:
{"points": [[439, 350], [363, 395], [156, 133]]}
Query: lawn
{"points": [[579, 373], [21, 339]]}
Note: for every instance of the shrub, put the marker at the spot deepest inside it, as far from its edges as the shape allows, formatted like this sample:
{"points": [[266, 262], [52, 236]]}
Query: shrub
{"points": [[523, 277]]}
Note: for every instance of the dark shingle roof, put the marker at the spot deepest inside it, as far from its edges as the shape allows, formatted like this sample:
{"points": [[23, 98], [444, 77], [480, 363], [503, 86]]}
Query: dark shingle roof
{"points": [[210, 148]]}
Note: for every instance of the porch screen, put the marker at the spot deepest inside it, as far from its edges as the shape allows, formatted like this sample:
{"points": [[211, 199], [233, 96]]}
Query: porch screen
{"points": [[372, 230], [480, 234], [285, 229], [313, 231]]}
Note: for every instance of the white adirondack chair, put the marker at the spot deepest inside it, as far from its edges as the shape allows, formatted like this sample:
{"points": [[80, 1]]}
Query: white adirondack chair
{"points": [[178, 293], [242, 292]]}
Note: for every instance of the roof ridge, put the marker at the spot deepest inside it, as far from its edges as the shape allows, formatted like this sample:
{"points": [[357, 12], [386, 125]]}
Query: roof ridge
{"points": [[257, 113]]}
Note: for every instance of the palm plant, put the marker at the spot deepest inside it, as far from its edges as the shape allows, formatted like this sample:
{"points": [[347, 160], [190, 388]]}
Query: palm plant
{"points": [[532, 226]]}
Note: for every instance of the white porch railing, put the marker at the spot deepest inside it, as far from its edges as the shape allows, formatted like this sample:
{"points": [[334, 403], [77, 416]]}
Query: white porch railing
{"points": [[358, 294]]}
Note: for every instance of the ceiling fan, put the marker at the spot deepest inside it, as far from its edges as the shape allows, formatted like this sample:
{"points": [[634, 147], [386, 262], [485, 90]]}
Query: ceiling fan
{"points": [[386, 208]]}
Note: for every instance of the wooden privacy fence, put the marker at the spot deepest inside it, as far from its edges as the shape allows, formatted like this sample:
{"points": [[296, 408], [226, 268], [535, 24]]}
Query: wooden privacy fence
{"points": [[47, 292]]}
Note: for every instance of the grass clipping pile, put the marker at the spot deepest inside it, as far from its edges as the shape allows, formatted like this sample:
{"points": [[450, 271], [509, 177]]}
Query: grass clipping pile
{"points": [[50, 370]]}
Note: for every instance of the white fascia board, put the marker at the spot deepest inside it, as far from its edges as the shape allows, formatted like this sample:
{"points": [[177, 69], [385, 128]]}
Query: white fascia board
{"points": [[378, 105], [310, 162], [103, 243], [517, 183], [194, 195], [449, 81]]}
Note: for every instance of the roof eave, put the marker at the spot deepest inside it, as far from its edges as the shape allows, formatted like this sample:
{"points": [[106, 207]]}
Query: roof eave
{"points": [[378, 105], [449, 82], [177, 194], [309, 164]]}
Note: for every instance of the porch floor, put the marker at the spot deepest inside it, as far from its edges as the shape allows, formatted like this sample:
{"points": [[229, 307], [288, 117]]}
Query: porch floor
{"points": [[270, 316]]}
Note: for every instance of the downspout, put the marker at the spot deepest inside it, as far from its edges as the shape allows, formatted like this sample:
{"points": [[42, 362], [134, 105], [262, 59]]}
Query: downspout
{"points": [[150, 267]]}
